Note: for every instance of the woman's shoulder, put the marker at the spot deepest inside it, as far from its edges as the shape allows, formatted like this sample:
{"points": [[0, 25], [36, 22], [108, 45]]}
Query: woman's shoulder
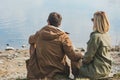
{"points": [[95, 34], [100, 36]]}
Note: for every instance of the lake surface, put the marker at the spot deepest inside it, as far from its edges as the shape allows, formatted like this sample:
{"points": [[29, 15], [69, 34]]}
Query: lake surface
{"points": [[20, 19]]}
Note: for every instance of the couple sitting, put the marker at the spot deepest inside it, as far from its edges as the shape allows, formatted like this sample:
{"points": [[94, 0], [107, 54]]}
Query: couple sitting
{"points": [[50, 46]]}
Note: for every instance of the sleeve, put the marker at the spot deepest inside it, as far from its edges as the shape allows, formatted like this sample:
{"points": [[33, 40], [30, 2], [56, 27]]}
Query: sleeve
{"points": [[92, 46], [33, 38], [69, 50]]}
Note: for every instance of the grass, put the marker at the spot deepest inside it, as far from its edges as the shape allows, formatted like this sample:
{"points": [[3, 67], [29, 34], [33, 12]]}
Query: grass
{"points": [[21, 79], [115, 77]]}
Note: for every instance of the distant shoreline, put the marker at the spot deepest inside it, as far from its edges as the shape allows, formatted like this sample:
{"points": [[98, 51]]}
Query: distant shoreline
{"points": [[15, 49]]}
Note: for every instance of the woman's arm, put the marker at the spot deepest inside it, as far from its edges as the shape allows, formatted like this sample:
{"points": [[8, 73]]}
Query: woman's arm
{"points": [[92, 47]]}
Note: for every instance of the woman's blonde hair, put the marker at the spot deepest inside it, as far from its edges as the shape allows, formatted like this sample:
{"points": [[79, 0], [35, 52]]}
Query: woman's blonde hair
{"points": [[101, 23]]}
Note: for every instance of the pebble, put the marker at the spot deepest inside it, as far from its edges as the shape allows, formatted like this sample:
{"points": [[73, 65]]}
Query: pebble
{"points": [[1, 61]]}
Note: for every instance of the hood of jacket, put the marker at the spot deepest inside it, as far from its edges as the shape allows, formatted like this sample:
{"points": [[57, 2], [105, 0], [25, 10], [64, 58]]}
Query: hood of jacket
{"points": [[50, 32]]}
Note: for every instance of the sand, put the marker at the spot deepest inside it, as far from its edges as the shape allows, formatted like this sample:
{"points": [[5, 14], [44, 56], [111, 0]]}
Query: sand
{"points": [[12, 64]]}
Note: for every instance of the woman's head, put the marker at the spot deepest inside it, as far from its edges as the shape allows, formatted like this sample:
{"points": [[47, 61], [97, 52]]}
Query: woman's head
{"points": [[101, 23], [54, 19]]}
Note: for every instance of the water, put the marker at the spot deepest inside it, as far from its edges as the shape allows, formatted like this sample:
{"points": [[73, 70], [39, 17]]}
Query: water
{"points": [[16, 43], [13, 32], [21, 18]]}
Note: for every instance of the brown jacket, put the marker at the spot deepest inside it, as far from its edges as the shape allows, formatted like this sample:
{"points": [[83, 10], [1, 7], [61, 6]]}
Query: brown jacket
{"points": [[52, 44]]}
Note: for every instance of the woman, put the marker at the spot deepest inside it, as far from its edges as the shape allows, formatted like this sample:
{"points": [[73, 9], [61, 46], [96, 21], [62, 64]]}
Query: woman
{"points": [[96, 61]]}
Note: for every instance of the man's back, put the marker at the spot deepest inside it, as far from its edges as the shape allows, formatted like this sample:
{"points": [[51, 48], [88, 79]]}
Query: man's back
{"points": [[51, 45], [49, 51]]}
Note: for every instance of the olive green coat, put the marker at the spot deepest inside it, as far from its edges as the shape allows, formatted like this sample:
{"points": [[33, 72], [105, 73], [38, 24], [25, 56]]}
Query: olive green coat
{"points": [[97, 60]]}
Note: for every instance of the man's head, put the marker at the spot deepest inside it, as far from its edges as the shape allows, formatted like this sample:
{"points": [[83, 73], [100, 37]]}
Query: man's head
{"points": [[54, 19]]}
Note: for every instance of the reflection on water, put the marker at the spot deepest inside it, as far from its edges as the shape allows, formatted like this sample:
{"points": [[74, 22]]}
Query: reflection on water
{"points": [[13, 32]]}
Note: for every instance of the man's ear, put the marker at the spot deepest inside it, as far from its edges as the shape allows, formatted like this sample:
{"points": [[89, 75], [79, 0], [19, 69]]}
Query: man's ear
{"points": [[48, 22]]}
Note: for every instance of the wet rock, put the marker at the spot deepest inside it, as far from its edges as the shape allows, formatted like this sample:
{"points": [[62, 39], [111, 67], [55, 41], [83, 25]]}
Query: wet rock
{"points": [[9, 48], [23, 46]]}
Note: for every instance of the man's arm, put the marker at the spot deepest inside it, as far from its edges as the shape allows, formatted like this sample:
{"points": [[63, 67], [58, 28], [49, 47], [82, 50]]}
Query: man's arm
{"points": [[33, 38], [69, 50], [32, 42]]}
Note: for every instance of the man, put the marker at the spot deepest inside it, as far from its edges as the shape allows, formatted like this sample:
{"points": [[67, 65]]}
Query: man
{"points": [[51, 45]]}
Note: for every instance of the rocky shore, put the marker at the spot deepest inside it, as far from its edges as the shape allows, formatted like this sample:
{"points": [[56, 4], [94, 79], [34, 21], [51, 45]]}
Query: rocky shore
{"points": [[13, 67], [12, 64]]}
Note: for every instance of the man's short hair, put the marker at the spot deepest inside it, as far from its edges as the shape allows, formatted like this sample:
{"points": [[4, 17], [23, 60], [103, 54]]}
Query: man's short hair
{"points": [[55, 19]]}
